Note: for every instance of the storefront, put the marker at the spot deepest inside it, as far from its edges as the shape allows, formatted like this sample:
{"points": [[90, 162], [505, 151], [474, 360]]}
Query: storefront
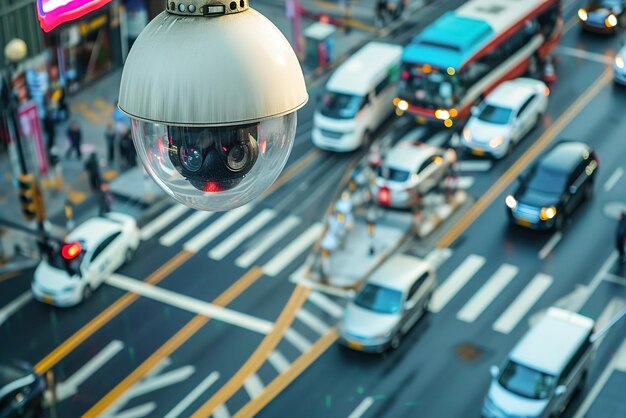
{"points": [[88, 48]]}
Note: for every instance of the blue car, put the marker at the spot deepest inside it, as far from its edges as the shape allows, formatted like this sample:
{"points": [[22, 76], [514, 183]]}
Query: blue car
{"points": [[602, 16]]}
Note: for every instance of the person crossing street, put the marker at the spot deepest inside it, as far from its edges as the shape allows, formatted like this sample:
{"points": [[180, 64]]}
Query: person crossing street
{"points": [[620, 236]]}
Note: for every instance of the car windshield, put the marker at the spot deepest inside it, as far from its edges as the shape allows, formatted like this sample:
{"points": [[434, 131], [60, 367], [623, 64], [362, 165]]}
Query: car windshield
{"points": [[525, 381], [393, 174], [495, 114], [340, 106], [56, 260], [609, 4], [429, 87], [10, 374], [547, 181], [379, 299]]}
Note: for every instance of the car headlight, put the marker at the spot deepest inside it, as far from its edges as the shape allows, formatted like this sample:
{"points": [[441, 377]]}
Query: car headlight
{"points": [[496, 142], [442, 114], [582, 15], [403, 105], [510, 202], [619, 62], [467, 135], [547, 213], [610, 21]]}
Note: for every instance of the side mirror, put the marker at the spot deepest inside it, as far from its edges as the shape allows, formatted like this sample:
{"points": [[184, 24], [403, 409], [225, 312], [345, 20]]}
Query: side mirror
{"points": [[560, 390], [573, 189], [494, 371]]}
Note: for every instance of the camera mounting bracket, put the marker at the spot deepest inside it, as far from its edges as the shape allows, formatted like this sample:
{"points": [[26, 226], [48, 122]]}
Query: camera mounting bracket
{"points": [[206, 8]]}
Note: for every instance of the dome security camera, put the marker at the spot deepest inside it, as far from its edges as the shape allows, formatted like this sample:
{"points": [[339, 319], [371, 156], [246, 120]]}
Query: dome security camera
{"points": [[212, 88]]}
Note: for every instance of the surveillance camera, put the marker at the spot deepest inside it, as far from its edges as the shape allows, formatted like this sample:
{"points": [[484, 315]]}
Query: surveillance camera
{"points": [[212, 93]]}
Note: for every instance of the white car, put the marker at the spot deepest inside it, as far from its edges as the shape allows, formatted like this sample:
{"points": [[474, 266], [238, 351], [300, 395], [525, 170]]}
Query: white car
{"points": [[505, 116], [410, 168], [92, 252], [619, 72]]}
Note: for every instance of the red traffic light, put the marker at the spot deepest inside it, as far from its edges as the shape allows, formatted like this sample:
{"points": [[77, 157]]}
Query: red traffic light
{"points": [[71, 251], [384, 196]]}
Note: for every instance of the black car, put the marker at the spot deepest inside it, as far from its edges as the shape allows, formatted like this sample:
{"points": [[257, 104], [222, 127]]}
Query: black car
{"points": [[555, 185], [602, 16], [21, 391]]}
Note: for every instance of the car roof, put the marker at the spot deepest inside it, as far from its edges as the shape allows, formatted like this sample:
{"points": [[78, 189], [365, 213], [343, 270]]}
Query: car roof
{"points": [[399, 272], [365, 68], [409, 155], [512, 94], [93, 231], [550, 344], [565, 156]]}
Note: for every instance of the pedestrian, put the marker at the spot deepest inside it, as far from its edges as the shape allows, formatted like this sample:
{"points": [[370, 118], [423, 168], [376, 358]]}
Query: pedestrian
{"points": [[93, 172], [75, 138], [109, 136], [621, 236], [49, 127], [127, 150]]}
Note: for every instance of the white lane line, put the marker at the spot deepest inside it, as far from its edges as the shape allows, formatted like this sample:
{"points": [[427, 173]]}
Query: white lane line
{"points": [[265, 243], [251, 227], [474, 165], [253, 386], [615, 306], [70, 386], [604, 377], [278, 361], [312, 321], [193, 395], [15, 305], [221, 412], [595, 282], [617, 174], [326, 304], [160, 222], [438, 256], [455, 282], [362, 408], [190, 304], [465, 182], [613, 278], [487, 293], [139, 411], [161, 381], [581, 53], [297, 340], [184, 228], [198, 242], [522, 304], [549, 246], [293, 250]]}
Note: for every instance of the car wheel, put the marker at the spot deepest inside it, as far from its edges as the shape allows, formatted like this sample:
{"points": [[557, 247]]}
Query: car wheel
{"points": [[87, 292], [426, 303], [130, 253], [581, 383], [559, 221], [395, 341]]}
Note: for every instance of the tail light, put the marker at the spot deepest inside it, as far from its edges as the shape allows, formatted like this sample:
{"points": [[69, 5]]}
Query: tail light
{"points": [[384, 196]]}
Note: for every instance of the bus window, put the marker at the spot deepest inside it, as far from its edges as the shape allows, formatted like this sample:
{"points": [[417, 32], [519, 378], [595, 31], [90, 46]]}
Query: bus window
{"points": [[432, 89]]}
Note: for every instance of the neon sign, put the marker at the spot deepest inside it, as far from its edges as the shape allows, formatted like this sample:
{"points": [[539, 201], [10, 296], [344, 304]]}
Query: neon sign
{"points": [[52, 13]]}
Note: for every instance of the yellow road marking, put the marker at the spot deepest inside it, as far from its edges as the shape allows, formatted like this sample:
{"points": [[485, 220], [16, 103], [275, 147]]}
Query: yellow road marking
{"points": [[292, 171], [173, 343], [104, 317], [9, 275], [109, 175], [89, 114], [519, 165], [260, 355], [76, 197], [285, 379], [105, 106]]}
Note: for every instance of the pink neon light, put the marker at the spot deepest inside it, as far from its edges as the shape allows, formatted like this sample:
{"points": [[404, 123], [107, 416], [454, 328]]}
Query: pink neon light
{"points": [[52, 13]]}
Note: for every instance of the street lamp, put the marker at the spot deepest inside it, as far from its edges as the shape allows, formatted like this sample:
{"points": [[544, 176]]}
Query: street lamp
{"points": [[212, 88]]}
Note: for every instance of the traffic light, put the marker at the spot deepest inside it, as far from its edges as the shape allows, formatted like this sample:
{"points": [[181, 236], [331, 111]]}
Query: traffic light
{"points": [[31, 198]]}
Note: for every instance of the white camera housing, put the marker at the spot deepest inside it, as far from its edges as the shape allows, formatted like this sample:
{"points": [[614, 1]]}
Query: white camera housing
{"points": [[213, 102]]}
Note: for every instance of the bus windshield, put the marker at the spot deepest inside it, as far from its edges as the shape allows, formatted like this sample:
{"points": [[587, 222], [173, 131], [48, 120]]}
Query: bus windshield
{"points": [[428, 87]]}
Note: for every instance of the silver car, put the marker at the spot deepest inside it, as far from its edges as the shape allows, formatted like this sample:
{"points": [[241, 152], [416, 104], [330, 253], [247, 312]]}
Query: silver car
{"points": [[390, 302]]}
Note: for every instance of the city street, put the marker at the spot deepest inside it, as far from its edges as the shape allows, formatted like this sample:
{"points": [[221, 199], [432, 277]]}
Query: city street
{"points": [[176, 329]]}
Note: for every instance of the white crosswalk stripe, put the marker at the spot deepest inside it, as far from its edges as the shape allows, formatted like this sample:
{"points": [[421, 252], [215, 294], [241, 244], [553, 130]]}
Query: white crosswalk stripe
{"points": [[278, 361], [184, 228], [293, 250], [325, 303], [253, 386], [455, 282], [216, 228], [243, 233], [522, 304], [487, 293], [162, 221], [267, 242], [312, 321]]}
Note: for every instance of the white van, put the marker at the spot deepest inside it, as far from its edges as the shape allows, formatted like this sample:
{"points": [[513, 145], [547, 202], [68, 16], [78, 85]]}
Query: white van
{"points": [[545, 369], [358, 98]]}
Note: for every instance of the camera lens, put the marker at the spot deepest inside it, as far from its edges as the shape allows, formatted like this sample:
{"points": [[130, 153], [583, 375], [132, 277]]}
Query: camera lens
{"points": [[238, 157], [191, 159]]}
